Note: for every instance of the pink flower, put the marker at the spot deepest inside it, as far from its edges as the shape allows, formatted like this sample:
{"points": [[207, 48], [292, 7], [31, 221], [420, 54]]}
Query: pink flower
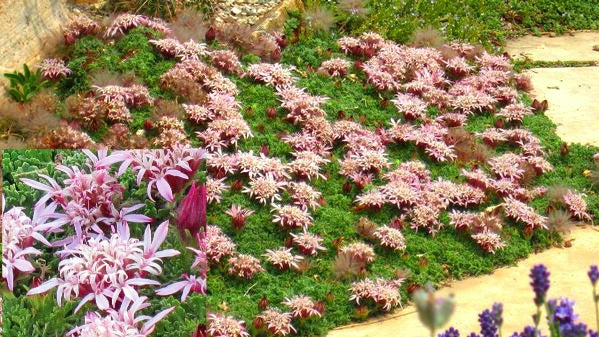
{"points": [[301, 306], [191, 212], [167, 170], [238, 215], [226, 326], [244, 266], [191, 284], [577, 206], [282, 258], [54, 69], [218, 245], [124, 22], [390, 237], [122, 322], [335, 67], [277, 322], [108, 270], [308, 243]]}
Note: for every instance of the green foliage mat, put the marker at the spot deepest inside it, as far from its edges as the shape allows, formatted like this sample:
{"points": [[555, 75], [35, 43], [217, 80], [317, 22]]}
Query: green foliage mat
{"points": [[40, 316], [448, 255]]}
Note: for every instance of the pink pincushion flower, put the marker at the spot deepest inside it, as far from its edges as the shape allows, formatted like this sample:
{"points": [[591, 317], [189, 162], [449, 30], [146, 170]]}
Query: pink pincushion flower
{"points": [[218, 245], [244, 266], [307, 164], [222, 162], [519, 211], [265, 188], [304, 195], [410, 106], [390, 237], [515, 112], [169, 47], [226, 326], [335, 67], [507, 165], [165, 170], [124, 22], [290, 217], [226, 61], [215, 189], [359, 251], [374, 198], [381, 291], [283, 258], [277, 322], [122, 323], [108, 270], [79, 26], [301, 306], [192, 50], [308, 243], [238, 215], [54, 69], [271, 74], [577, 206]]}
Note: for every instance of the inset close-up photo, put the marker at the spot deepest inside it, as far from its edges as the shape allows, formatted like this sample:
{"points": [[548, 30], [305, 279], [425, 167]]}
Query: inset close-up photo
{"points": [[103, 243]]}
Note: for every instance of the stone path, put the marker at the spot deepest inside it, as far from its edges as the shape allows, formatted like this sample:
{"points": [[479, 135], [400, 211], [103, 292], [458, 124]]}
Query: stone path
{"points": [[568, 267], [571, 92], [575, 47], [573, 96]]}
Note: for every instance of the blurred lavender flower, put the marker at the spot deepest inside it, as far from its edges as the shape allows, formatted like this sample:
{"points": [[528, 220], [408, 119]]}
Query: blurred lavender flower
{"points": [[539, 276]]}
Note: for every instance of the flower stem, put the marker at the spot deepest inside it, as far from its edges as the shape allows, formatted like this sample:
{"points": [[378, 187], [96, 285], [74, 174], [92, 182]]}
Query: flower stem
{"points": [[596, 300], [432, 332]]}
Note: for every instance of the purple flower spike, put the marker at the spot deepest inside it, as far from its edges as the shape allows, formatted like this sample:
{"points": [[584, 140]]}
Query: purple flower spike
{"points": [[594, 274], [539, 276]]}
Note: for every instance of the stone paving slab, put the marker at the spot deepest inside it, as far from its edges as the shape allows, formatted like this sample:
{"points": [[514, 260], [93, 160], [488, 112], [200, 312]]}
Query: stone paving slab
{"points": [[575, 47], [573, 96], [510, 285]]}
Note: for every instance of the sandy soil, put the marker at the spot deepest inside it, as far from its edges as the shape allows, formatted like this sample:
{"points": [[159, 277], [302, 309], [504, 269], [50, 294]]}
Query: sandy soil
{"points": [[568, 267], [575, 47], [573, 101]]}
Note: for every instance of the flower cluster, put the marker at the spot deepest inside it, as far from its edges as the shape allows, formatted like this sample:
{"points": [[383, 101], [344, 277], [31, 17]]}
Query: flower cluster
{"points": [[244, 266], [124, 22], [302, 306], [54, 69], [576, 205], [117, 100], [335, 67], [167, 171], [80, 26], [277, 322], [89, 270], [283, 258], [218, 245], [385, 293], [519, 211], [18, 233], [308, 243], [484, 228], [390, 237], [121, 322], [271, 74], [226, 326]]}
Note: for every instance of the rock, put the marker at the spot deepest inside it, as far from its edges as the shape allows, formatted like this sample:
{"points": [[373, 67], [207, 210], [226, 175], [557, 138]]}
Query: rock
{"points": [[235, 10]]}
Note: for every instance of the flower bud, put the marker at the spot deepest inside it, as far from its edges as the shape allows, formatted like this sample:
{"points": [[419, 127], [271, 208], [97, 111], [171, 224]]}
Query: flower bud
{"points": [[191, 213]]}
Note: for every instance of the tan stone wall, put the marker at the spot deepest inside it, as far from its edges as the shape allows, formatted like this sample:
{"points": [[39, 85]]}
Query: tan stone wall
{"points": [[29, 28]]}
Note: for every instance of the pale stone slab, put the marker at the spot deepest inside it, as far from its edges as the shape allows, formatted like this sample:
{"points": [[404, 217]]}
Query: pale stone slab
{"points": [[575, 47], [568, 268], [573, 96]]}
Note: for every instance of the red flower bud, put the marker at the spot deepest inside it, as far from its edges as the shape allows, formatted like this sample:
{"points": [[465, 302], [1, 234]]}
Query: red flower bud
{"points": [[191, 213], [200, 331], [271, 112], [237, 185], [263, 303], [210, 34]]}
